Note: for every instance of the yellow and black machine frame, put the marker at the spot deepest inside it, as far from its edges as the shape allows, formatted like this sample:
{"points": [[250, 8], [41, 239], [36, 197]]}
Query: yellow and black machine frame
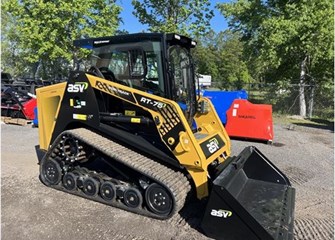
{"points": [[131, 132]]}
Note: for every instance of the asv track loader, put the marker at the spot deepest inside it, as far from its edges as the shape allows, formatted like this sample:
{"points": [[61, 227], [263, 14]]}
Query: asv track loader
{"points": [[130, 132]]}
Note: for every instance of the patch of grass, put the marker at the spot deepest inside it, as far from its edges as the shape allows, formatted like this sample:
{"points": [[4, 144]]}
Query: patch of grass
{"points": [[297, 120], [323, 121], [281, 119]]}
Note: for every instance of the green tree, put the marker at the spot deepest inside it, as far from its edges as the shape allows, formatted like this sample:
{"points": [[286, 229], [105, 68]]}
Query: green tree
{"points": [[293, 39], [205, 56], [43, 31], [12, 61], [234, 71], [187, 17], [221, 56]]}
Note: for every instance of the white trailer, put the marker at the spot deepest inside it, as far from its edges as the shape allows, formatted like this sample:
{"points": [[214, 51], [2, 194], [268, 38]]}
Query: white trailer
{"points": [[204, 81]]}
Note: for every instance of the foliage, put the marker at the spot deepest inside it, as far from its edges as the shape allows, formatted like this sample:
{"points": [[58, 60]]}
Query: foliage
{"points": [[221, 56], [11, 62], [187, 17], [281, 34], [43, 31]]}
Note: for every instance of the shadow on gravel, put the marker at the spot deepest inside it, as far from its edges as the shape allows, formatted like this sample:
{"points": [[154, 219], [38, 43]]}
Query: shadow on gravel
{"points": [[192, 214], [318, 124], [250, 140], [275, 144], [278, 144]]}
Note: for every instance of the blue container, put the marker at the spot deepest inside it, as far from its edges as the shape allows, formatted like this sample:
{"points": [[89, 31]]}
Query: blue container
{"points": [[222, 100], [35, 121]]}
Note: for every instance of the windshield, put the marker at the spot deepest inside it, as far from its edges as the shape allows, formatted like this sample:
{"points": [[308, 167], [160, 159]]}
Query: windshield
{"points": [[183, 80], [137, 65]]}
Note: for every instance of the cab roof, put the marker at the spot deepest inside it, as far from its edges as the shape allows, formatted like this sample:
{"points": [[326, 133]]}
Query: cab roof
{"points": [[172, 38]]}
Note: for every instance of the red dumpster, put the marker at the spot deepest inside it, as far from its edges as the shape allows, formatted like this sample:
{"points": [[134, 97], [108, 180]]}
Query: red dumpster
{"points": [[28, 108], [247, 120]]}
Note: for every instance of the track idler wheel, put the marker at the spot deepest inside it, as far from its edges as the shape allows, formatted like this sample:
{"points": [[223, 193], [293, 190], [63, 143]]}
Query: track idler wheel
{"points": [[91, 186], [51, 173], [107, 191], [70, 181], [159, 201], [132, 197]]}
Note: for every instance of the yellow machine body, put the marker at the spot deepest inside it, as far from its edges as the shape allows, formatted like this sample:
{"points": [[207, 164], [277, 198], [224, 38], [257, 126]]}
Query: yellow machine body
{"points": [[188, 151], [132, 133]]}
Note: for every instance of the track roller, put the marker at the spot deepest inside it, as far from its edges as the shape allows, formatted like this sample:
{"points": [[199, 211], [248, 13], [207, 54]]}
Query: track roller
{"points": [[132, 197], [107, 191], [158, 199], [70, 181], [51, 173], [91, 186]]}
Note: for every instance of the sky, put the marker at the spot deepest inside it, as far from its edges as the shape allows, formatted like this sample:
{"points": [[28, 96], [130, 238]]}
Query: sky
{"points": [[132, 25]]}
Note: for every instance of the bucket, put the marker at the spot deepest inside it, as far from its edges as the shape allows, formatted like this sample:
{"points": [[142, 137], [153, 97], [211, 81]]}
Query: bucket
{"points": [[250, 199]]}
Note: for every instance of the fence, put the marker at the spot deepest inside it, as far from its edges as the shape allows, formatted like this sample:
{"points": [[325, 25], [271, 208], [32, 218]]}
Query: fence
{"points": [[285, 99]]}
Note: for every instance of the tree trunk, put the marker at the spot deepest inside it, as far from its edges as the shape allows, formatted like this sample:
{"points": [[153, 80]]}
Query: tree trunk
{"points": [[311, 101], [36, 69], [302, 101]]}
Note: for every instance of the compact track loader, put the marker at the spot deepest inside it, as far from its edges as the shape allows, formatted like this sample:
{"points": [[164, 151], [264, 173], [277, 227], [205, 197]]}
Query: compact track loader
{"points": [[131, 132]]}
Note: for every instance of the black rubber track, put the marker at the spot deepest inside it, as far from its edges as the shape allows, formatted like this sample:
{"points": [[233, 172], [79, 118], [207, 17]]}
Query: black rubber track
{"points": [[173, 181]]}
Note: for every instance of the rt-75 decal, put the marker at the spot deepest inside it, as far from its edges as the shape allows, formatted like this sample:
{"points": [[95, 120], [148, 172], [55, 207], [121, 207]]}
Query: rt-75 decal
{"points": [[154, 103]]}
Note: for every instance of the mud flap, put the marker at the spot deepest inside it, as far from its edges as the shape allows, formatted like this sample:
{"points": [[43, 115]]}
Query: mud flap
{"points": [[250, 199]]}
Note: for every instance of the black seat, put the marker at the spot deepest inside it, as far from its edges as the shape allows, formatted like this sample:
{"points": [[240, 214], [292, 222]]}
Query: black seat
{"points": [[108, 74]]}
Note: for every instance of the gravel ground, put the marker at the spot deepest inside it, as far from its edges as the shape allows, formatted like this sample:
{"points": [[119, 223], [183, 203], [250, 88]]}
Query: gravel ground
{"points": [[32, 211]]}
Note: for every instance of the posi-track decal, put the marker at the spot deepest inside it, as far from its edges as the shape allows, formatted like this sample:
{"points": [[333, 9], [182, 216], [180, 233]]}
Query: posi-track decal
{"points": [[115, 91]]}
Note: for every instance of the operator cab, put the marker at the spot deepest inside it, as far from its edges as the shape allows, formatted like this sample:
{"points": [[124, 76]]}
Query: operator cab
{"points": [[159, 64]]}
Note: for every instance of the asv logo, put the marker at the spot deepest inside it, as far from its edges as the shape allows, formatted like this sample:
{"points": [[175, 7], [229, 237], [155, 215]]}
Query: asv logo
{"points": [[221, 213], [77, 87], [213, 145]]}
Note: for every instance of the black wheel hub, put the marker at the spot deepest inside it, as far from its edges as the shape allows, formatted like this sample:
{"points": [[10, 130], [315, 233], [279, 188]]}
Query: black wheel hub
{"points": [[107, 191], [51, 172], [132, 198], [69, 181], [158, 199], [90, 186]]}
